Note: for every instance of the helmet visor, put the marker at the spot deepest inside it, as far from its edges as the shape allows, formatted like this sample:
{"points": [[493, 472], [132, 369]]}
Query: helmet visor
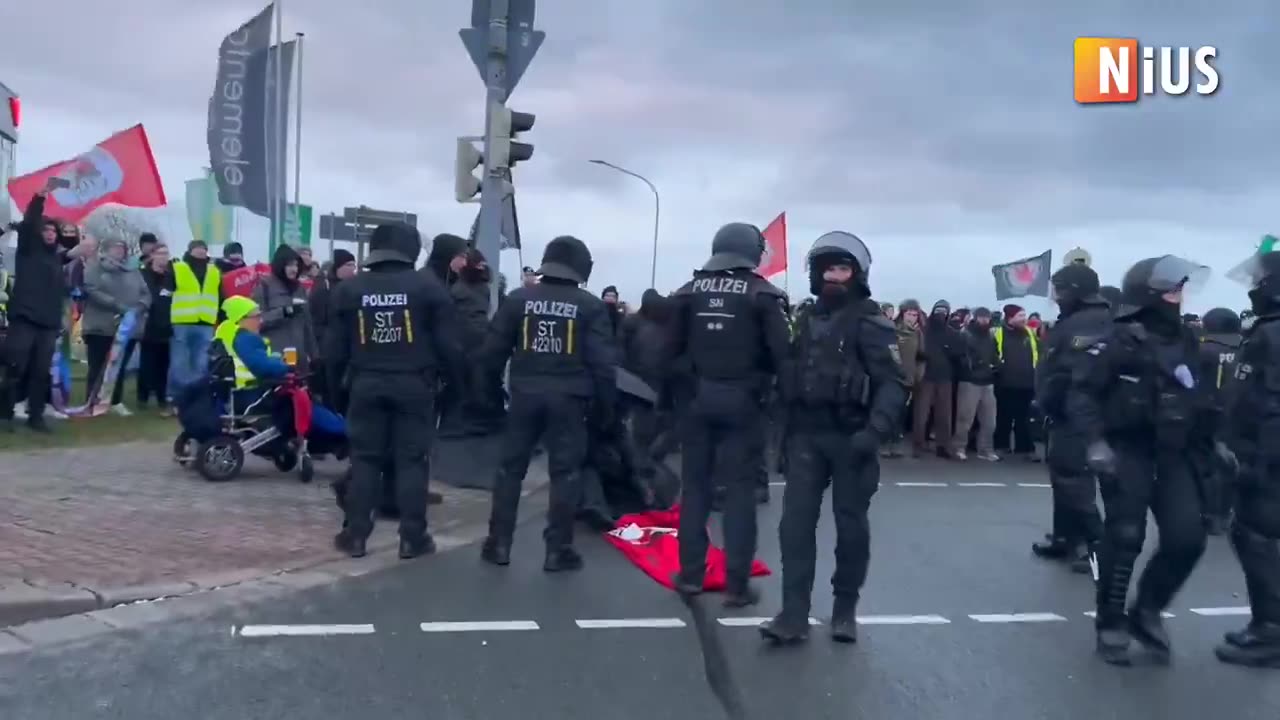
{"points": [[842, 243], [1172, 273]]}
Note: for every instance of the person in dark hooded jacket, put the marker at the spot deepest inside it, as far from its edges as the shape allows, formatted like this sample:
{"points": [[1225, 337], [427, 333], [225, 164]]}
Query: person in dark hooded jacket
{"points": [[610, 297], [644, 343], [319, 304], [448, 256], [944, 351], [286, 322]]}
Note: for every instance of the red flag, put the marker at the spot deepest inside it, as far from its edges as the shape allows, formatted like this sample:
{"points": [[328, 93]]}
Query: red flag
{"points": [[239, 282], [120, 169], [649, 541], [775, 247]]}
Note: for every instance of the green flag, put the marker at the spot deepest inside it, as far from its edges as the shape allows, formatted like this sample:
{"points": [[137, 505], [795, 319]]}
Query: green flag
{"points": [[297, 228], [210, 220], [1246, 273]]}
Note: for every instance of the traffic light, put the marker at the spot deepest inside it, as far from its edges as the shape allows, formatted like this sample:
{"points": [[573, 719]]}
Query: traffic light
{"points": [[467, 186], [507, 125]]}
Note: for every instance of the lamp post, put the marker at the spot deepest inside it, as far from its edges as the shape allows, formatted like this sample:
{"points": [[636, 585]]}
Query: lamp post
{"points": [[657, 210]]}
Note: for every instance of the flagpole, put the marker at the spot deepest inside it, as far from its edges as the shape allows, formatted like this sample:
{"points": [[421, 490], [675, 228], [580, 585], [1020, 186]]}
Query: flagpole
{"points": [[281, 190], [268, 132], [297, 138]]}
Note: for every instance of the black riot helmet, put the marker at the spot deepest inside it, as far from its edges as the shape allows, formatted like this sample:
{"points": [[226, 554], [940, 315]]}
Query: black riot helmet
{"points": [[1146, 283], [1221, 321], [1264, 280], [395, 242], [1074, 284], [837, 247], [736, 246], [566, 258]]}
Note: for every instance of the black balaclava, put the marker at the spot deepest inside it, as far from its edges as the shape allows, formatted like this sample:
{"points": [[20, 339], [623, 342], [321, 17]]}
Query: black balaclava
{"points": [[285, 255], [444, 248], [1074, 286], [832, 295], [939, 315]]}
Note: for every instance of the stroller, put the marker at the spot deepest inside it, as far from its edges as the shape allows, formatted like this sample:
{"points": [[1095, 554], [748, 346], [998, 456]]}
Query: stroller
{"points": [[216, 435]]}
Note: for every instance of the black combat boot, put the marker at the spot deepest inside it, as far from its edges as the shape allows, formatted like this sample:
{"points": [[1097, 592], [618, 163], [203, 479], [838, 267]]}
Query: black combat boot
{"points": [[1052, 548], [784, 629], [347, 543], [1147, 627], [495, 551], [844, 621], [417, 547], [562, 559], [1115, 571], [741, 595]]}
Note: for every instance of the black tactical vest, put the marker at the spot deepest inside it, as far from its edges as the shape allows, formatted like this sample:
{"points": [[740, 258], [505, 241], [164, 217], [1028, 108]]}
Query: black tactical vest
{"points": [[830, 371], [724, 326]]}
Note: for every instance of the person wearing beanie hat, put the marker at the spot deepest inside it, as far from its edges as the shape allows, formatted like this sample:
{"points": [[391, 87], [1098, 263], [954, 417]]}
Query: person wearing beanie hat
{"points": [[944, 348], [911, 349], [610, 297], [232, 257], [197, 296], [1019, 351], [975, 391]]}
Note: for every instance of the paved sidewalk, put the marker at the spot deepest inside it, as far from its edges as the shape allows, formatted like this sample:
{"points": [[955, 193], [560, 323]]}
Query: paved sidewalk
{"points": [[82, 529]]}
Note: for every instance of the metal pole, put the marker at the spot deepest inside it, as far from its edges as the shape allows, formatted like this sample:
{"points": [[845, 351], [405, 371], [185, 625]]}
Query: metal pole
{"points": [[657, 210], [282, 132], [489, 231], [297, 134]]}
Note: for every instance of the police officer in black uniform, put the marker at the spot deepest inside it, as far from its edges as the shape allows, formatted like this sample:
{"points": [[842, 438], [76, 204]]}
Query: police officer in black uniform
{"points": [[1083, 319], [1134, 396], [563, 358], [394, 332], [1219, 346], [730, 325], [1254, 426], [1113, 296], [849, 395]]}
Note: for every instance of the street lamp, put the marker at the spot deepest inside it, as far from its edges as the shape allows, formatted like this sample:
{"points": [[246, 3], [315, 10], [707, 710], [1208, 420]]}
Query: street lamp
{"points": [[657, 209]]}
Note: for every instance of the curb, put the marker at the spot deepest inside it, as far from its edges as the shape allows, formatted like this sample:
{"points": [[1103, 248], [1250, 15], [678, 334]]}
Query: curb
{"points": [[53, 615]]}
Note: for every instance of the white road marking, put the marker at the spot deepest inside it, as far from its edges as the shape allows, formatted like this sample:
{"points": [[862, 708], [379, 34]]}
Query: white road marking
{"points": [[1221, 611], [902, 620], [1018, 618], [777, 484], [1034, 485], [921, 484], [1094, 614], [982, 484], [630, 623], [303, 630], [753, 621], [492, 626]]}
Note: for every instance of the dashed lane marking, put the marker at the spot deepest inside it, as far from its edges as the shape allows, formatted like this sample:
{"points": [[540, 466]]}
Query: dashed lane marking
{"points": [[253, 631], [491, 626], [981, 484], [279, 631], [921, 484], [1221, 611], [1018, 618], [934, 484], [1034, 485], [628, 623], [1094, 614]]}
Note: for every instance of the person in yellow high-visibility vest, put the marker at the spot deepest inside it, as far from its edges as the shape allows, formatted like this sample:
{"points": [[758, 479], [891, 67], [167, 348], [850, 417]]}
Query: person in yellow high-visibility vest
{"points": [[197, 292], [1019, 352]]}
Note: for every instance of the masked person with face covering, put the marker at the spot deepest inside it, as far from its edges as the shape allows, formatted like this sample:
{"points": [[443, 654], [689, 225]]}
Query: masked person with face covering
{"points": [[557, 337], [286, 322], [729, 327], [1134, 398], [849, 394], [944, 351], [1084, 318], [1253, 424], [1219, 350]]}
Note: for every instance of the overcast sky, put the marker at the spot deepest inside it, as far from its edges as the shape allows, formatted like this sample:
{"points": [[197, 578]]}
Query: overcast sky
{"points": [[944, 133]]}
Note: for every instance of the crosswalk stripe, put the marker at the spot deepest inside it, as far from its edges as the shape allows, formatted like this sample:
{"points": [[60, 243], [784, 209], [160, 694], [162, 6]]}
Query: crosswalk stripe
{"points": [[1018, 618], [630, 623], [490, 626], [1221, 611]]}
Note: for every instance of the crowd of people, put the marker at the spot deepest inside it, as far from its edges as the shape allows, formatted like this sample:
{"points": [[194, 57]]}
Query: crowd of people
{"points": [[1158, 410]]}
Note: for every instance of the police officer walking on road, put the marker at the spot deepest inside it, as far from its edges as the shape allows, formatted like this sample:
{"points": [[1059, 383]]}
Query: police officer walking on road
{"points": [[1219, 350], [394, 331], [560, 342], [730, 326], [1254, 427], [1134, 397], [849, 395], [1084, 318]]}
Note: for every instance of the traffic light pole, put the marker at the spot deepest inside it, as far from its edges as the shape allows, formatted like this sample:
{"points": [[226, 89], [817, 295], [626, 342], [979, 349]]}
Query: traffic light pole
{"points": [[489, 231]]}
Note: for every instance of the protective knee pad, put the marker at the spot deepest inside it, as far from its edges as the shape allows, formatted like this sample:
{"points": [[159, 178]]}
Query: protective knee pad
{"points": [[1127, 537]]}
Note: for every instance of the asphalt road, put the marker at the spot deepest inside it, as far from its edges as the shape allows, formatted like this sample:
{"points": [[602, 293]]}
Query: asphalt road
{"points": [[959, 622]]}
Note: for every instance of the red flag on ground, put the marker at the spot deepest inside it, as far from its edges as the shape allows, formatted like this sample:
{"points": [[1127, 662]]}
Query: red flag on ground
{"points": [[650, 541], [775, 247], [120, 169]]}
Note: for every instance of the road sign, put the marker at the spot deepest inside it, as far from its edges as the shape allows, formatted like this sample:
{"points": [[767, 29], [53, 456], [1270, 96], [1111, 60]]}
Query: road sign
{"points": [[523, 41], [356, 224], [297, 227]]}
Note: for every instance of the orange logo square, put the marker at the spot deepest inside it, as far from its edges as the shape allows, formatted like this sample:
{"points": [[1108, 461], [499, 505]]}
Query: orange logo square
{"points": [[1106, 70]]}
